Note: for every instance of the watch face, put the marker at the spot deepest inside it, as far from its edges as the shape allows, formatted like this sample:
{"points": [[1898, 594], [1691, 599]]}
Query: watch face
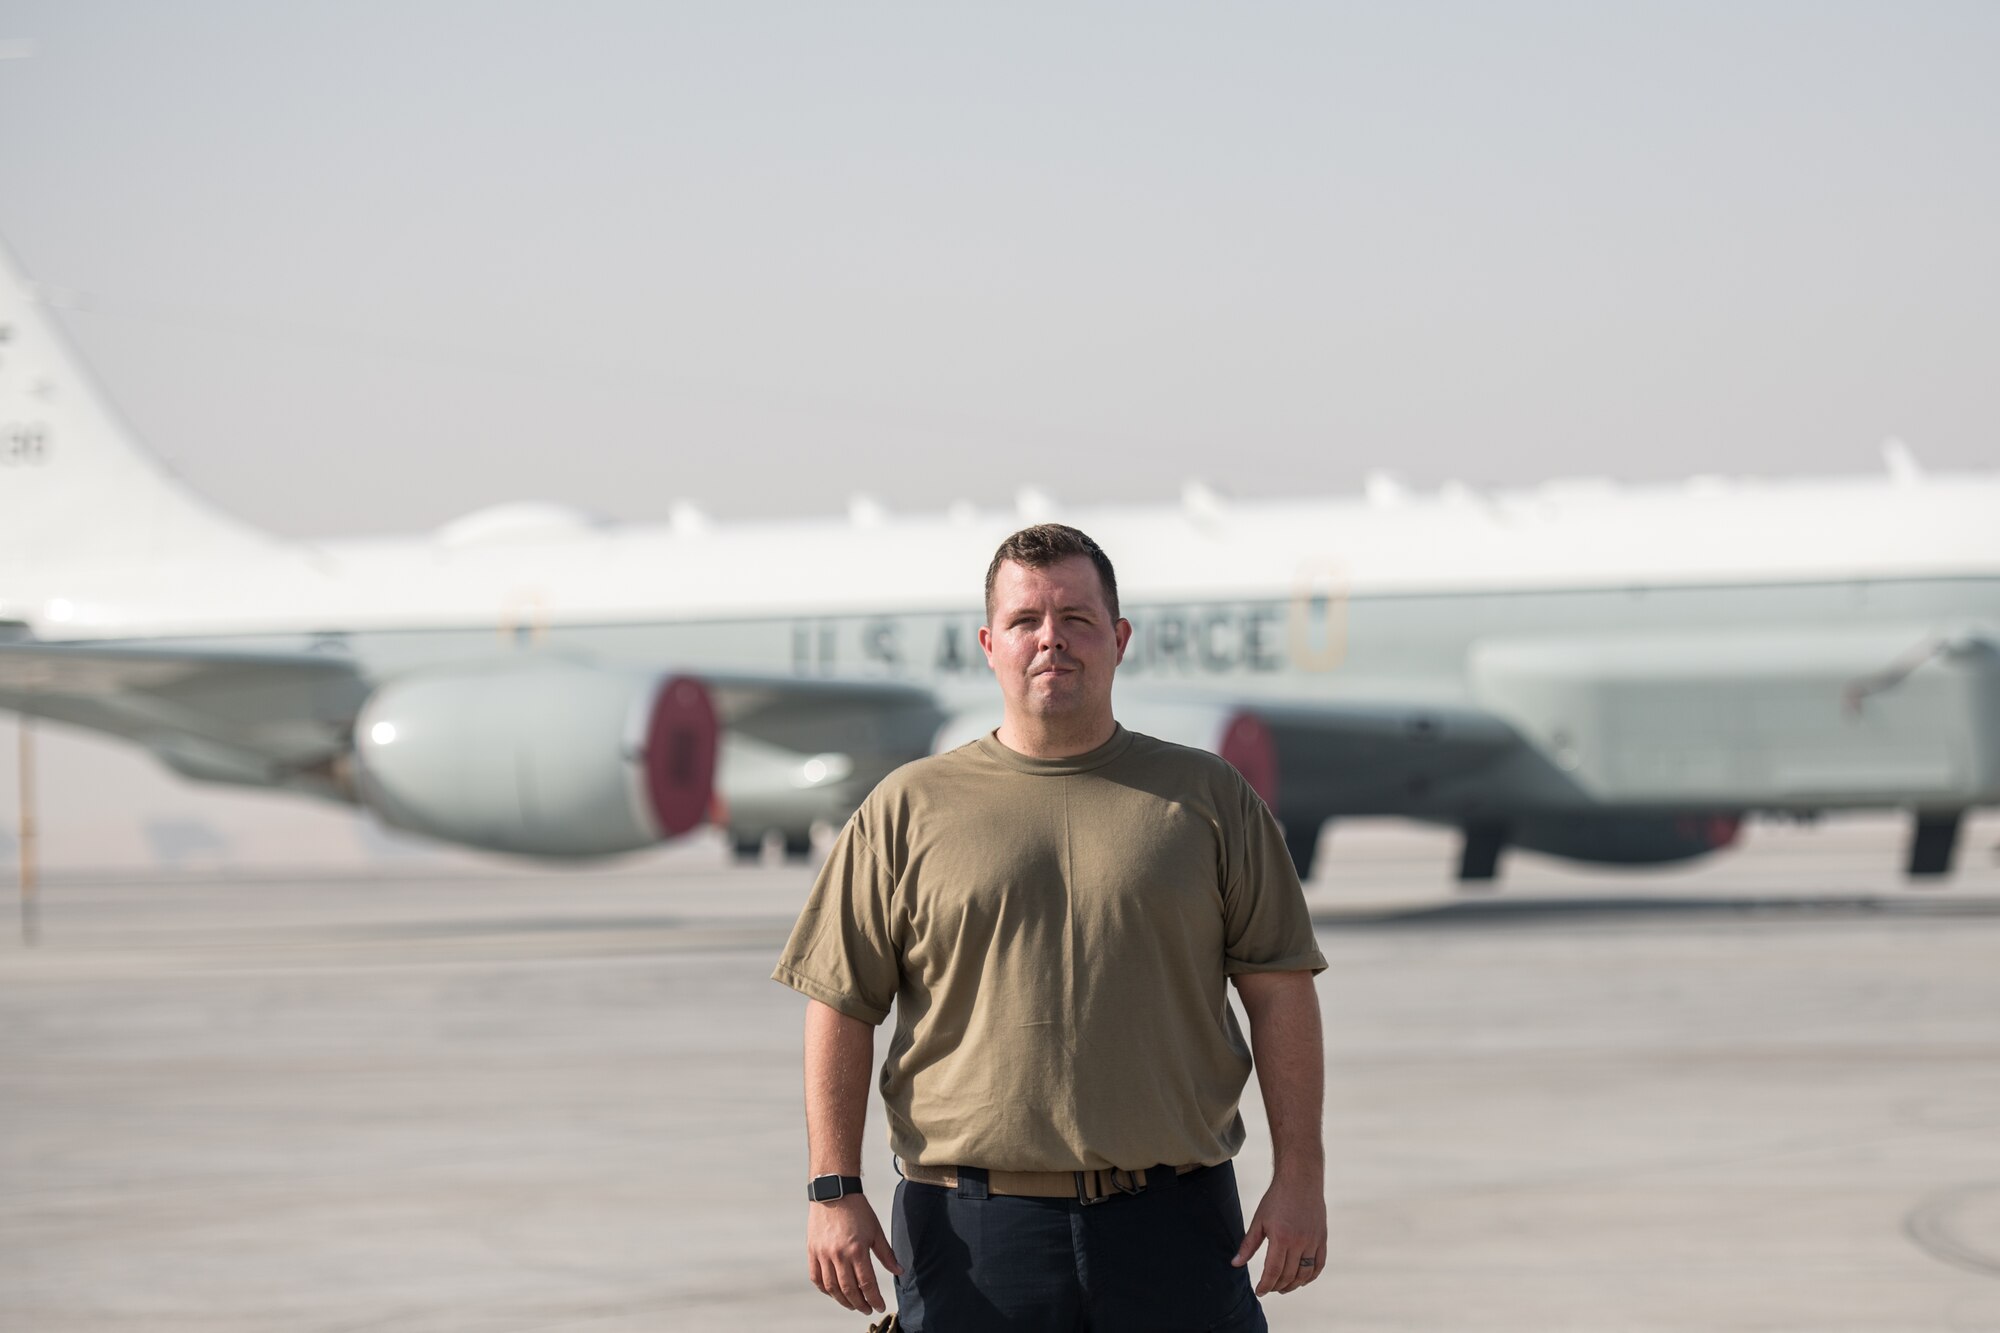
{"points": [[825, 1189]]}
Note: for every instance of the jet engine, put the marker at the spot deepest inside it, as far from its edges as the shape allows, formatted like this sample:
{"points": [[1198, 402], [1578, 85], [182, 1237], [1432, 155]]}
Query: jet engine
{"points": [[539, 758]]}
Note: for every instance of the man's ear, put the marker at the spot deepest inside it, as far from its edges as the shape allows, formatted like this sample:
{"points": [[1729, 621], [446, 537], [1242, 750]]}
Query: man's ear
{"points": [[986, 644], [1123, 629]]}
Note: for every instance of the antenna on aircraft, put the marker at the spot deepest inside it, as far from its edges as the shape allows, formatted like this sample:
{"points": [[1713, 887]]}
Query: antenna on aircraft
{"points": [[1204, 506], [1201, 500], [1384, 490], [687, 520], [1902, 464], [1034, 506]]}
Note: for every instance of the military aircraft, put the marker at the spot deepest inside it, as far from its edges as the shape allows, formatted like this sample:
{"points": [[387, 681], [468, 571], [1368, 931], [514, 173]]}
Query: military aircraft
{"points": [[1613, 675]]}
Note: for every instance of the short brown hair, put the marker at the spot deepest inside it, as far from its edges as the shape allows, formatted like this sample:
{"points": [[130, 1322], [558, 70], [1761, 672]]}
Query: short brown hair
{"points": [[1046, 544]]}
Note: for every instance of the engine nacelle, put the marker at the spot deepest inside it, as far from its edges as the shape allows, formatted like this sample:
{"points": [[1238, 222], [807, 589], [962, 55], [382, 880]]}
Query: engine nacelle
{"points": [[542, 757], [768, 787], [1626, 839]]}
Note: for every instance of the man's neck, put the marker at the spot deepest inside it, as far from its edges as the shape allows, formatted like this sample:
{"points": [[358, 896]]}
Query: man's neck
{"points": [[1042, 740]]}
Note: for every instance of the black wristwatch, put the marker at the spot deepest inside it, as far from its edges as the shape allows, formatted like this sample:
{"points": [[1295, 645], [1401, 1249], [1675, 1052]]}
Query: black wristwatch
{"points": [[825, 1189]]}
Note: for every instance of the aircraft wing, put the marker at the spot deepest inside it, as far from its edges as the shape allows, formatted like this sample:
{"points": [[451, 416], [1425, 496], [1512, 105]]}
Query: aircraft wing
{"points": [[809, 715], [260, 718], [784, 705], [287, 719]]}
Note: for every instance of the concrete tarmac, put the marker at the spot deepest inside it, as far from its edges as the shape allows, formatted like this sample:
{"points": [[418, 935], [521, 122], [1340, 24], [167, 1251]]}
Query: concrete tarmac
{"points": [[1764, 1094]]}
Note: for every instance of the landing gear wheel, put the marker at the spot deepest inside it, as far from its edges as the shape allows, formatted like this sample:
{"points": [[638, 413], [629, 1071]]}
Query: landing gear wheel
{"points": [[1479, 855]]}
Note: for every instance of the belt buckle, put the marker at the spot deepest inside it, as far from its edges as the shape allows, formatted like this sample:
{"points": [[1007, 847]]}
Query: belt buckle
{"points": [[1131, 1184]]}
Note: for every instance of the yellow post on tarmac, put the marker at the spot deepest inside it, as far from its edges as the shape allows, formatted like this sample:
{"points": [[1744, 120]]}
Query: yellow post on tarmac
{"points": [[30, 926]]}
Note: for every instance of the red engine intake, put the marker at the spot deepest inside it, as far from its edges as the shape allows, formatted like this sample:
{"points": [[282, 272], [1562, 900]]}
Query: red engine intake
{"points": [[1247, 743], [683, 736]]}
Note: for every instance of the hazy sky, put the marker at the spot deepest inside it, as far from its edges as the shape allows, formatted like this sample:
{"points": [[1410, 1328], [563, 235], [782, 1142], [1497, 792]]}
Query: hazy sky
{"points": [[363, 267]]}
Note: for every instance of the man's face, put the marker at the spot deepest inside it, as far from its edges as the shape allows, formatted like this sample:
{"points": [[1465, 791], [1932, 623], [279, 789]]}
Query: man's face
{"points": [[1052, 641]]}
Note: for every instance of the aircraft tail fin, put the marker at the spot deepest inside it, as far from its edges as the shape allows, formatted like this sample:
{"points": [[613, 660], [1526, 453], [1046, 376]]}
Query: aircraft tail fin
{"points": [[78, 492]]}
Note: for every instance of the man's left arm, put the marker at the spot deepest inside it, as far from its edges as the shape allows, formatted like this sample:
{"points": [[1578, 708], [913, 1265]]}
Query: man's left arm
{"points": [[1286, 1043]]}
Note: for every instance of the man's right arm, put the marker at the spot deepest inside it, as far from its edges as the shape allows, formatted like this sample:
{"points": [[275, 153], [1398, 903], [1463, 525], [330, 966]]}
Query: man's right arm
{"points": [[840, 1236]]}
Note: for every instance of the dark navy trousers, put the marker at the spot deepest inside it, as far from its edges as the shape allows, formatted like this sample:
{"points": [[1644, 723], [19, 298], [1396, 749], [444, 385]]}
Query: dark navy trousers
{"points": [[1153, 1262]]}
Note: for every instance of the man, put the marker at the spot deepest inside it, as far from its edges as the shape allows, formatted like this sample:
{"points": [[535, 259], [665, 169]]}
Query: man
{"points": [[1054, 910]]}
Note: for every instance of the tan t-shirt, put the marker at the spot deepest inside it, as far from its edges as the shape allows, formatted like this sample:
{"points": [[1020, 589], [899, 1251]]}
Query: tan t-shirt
{"points": [[1055, 934]]}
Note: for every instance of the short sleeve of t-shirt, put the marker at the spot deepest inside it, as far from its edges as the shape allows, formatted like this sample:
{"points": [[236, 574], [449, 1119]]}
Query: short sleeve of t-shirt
{"points": [[1266, 927], [842, 951]]}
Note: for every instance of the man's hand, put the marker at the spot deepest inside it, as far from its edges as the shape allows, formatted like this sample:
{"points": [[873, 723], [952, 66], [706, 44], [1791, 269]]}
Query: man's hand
{"points": [[1285, 1035], [842, 1234], [1292, 1216], [839, 1238]]}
